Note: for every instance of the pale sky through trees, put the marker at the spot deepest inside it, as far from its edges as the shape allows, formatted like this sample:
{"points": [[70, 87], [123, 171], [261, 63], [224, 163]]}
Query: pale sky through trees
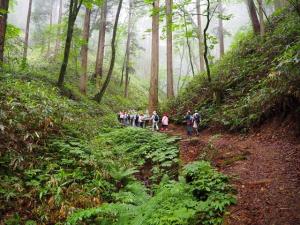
{"points": [[239, 20]]}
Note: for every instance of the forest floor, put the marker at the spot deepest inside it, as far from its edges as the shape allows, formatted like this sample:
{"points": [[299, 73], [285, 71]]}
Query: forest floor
{"points": [[264, 167]]}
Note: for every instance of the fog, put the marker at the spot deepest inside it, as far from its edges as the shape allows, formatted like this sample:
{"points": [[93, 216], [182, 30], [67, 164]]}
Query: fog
{"points": [[238, 21]]}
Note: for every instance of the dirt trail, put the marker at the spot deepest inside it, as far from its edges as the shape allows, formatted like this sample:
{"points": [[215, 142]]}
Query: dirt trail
{"points": [[264, 167]]}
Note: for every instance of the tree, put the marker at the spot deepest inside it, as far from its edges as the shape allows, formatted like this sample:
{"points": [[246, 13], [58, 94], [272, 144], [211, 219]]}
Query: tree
{"points": [[221, 30], [57, 43], [50, 27], [73, 12], [27, 33], [101, 42], [200, 38], [153, 92], [253, 16], [3, 24], [209, 15], [84, 50], [170, 86], [98, 97], [261, 17], [188, 42], [127, 53]]}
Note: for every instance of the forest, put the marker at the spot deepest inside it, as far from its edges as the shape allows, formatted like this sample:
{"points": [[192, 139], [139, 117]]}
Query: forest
{"points": [[148, 112]]}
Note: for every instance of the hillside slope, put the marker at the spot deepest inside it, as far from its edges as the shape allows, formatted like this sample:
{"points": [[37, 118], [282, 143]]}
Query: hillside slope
{"points": [[256, 80]]}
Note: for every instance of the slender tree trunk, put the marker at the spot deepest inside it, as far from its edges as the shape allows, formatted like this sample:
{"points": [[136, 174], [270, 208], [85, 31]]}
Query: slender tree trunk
{"points": [[123, 70], [127, 55], [205, 40], [253, 16], [84, 51], [153, 92], [3, 24], [73, 12], [180, 71], [57, 43], [188, 45], [261, 17], [50, 28], [101, 42], [221, 30], [99, 96], [202, 63], [27, 33], [170, 85]]}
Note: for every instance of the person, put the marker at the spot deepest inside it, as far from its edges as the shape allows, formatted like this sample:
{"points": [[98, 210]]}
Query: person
{"points": [[141, 120], [119, 116], [196, 122], [189, 123], [155, 121], [165, 122], [131, 118], [122, 118], [137, 124]]}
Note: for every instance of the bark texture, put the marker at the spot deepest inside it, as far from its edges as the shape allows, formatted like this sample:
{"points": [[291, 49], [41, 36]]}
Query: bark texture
{"points": [[127, 54], [153, 92], [3, 24], [74, 8], [261, 17], [200, 38], [84, 51], [253, 16], [101, 42], [169, 15], [27, 32]]}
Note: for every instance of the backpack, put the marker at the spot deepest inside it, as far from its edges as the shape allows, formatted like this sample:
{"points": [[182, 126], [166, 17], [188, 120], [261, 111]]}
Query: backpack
{"points": [[197, 117], [156, 118]]}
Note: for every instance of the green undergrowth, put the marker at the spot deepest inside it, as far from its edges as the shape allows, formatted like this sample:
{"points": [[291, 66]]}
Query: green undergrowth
{"points": [[255, 80], [67, 160]]}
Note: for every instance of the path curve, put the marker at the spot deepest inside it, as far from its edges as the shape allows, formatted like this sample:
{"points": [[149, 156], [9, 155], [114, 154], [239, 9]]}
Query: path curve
{"points": [[264, 167]]}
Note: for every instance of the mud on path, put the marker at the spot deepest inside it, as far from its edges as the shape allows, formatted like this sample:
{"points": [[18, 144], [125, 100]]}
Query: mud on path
{"points": [[264, 167]]}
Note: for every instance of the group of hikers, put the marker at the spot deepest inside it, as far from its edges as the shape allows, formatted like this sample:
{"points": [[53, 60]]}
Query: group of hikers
{"points": [[135, 119], [132, 118]]}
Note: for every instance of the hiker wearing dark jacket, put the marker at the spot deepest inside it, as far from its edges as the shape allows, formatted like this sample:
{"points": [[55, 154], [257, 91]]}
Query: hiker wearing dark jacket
{"points": [[189, 123]]}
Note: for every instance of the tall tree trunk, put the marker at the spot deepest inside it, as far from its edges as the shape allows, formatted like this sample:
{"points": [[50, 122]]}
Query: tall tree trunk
{"points": [[261, 17], [180, 70], [188, 44], [253, 16], [73, 12], [27, 33], [3, 24], [221, 30], [200, 38], [208, 19], [170, 86], [153, 92], [127, 54], [57, 43], [50, 27], [123, 70], [84, 51], [99, 96], [101, 42]]}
